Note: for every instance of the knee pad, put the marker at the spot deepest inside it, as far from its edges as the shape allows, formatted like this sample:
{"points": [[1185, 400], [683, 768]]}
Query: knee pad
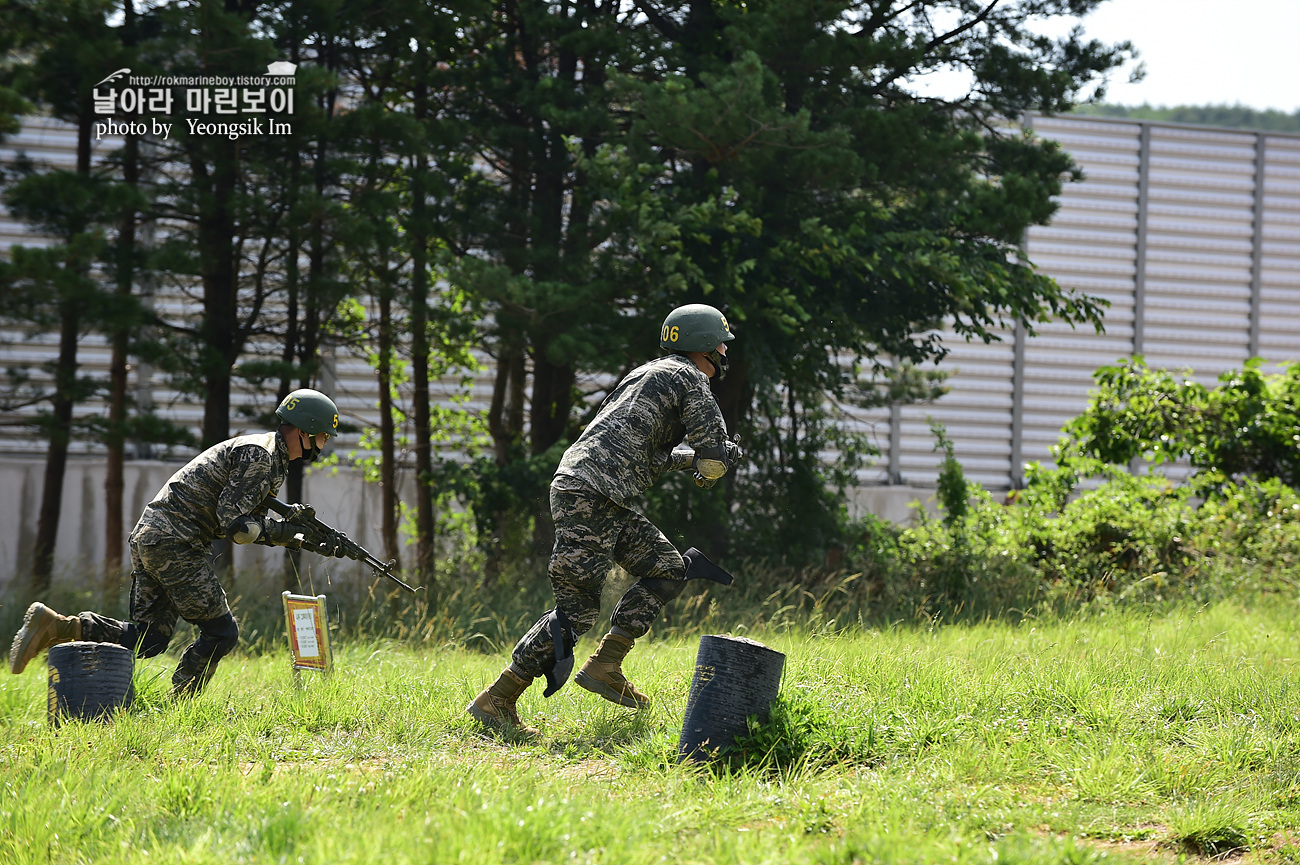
{"points": [[665, 590], [698, 567], [218, 636], [560, 628]]}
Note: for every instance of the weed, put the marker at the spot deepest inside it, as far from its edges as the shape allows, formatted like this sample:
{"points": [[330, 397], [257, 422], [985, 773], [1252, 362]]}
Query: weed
{"points": [[1210, 829]]}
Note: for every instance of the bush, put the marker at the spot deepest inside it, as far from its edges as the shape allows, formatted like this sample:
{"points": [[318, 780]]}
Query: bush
{"points": [[1124, 537]]}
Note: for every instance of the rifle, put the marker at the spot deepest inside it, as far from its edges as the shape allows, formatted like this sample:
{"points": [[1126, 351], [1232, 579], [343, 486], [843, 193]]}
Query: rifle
{"points": [[325, 540]]}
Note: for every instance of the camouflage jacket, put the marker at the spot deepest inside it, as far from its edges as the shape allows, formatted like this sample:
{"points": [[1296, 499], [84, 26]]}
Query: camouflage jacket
{"points": [[630, 442], [226, 481]]}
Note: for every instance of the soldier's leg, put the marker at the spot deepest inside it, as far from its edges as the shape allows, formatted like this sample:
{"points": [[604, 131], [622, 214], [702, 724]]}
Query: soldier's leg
{"points": [[44, 627], [151, 618], [585, 530], [183, 572], [644, 552]]}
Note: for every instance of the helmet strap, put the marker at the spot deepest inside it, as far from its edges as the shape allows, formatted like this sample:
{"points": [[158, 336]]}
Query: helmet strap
{"points": [[310, 452]]}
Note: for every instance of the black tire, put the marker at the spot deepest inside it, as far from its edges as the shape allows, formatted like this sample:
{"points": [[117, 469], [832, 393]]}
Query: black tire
{"points": [[89, 681], [734, 678]]}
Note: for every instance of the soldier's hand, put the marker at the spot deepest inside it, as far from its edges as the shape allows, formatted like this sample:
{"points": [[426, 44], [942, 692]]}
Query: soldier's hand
{"points": [[327, 546], [300, 512], [734, 452], [282, 533]]}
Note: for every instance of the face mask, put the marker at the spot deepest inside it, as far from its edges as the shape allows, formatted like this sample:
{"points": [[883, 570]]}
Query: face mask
{"points": [[310, 455], [719, 361]]}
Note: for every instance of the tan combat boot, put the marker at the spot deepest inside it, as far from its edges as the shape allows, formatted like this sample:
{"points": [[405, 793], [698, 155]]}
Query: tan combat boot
{"points": [[495, 706], [42, 628], [603, 673]]}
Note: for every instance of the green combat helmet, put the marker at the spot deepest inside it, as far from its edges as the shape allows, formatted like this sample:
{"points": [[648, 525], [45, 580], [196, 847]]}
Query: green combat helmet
{"points": [[312, 412], [697, 327]]}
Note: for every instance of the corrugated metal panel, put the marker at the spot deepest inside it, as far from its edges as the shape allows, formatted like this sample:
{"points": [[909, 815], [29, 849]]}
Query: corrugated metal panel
{"points": [[1198, 272], [1090, 247], [52, 143], [976, 413], [1280, 271]]}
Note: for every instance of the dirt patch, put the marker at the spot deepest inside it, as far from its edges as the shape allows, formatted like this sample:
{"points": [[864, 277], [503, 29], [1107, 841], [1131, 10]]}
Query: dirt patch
{"points": [[591, 770], [1142, 851]]}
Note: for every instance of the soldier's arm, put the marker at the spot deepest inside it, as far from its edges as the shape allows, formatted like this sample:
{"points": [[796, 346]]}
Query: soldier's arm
{"points": [[700, 413], [680, 459], [240, 503], [706, 432]]}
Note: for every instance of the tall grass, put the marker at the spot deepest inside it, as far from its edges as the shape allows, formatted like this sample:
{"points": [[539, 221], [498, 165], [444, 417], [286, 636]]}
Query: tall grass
{"points": [[1045, 740]]}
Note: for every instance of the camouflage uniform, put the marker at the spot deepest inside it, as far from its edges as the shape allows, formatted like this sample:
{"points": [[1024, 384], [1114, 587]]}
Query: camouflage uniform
{"points": [[619, 455], [171, 576]]}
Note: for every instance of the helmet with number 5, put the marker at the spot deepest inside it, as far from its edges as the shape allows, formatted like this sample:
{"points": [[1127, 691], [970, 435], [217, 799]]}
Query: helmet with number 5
{"points": [[310, 411]]}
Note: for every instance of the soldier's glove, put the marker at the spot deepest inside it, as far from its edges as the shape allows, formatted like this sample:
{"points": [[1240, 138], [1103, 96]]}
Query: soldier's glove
{"points": [[299, 512], [709, 465], [326, 546], [282, 533], [734, 452]]}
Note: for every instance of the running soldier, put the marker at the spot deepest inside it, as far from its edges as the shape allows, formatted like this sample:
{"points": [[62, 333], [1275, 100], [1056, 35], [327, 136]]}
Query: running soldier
{"points": [[218, 494], [617, 457]]}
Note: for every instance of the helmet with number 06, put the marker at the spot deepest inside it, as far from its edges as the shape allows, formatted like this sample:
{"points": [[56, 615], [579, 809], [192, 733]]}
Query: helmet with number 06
{"points": [[694, 327], [310, 411]]}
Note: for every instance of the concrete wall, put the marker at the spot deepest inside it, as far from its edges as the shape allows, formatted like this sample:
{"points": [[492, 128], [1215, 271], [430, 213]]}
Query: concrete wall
{"points": [[341, 498]]}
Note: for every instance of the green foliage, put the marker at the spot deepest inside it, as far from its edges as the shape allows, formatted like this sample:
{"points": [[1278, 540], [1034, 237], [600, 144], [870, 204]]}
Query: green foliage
{"points": [[1247, 426], [770, 158], [952, 490], [1233, 116], [1130, 538], [799, 734]]}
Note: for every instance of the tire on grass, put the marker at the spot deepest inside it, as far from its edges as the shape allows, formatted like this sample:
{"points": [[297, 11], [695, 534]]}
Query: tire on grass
{"points": [[89, 681]]}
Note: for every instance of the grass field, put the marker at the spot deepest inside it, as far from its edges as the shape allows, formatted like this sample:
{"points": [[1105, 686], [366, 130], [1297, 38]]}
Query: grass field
{"points": [[1124, 736]]}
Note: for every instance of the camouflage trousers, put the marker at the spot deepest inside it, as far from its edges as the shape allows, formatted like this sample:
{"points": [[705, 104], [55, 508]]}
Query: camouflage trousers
{"points": [[171, 579], [591, 533]]}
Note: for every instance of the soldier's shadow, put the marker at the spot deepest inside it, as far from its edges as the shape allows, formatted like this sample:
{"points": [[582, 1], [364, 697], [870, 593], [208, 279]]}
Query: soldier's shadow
{"points": [[608, 731]]}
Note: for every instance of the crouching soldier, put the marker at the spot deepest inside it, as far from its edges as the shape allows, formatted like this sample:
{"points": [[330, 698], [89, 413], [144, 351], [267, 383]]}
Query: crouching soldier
{"points": [[617, 457], [218, 494]]}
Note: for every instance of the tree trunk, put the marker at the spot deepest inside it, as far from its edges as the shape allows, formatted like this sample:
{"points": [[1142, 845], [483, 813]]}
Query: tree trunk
{"points": [[65, 380], [220, 323], [509, 395], [387, 433], [293, 481], [56, 462], [116, 438], [418, 233], [552, 401], [114, 484]]}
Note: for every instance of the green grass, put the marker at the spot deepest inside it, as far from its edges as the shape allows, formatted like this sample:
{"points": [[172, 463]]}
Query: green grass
{"points": [[1121, 736]]}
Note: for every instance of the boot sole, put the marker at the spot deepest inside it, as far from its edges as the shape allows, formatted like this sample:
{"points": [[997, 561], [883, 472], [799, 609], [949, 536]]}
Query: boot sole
{"points": [[23, 639], [600, 689]]}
